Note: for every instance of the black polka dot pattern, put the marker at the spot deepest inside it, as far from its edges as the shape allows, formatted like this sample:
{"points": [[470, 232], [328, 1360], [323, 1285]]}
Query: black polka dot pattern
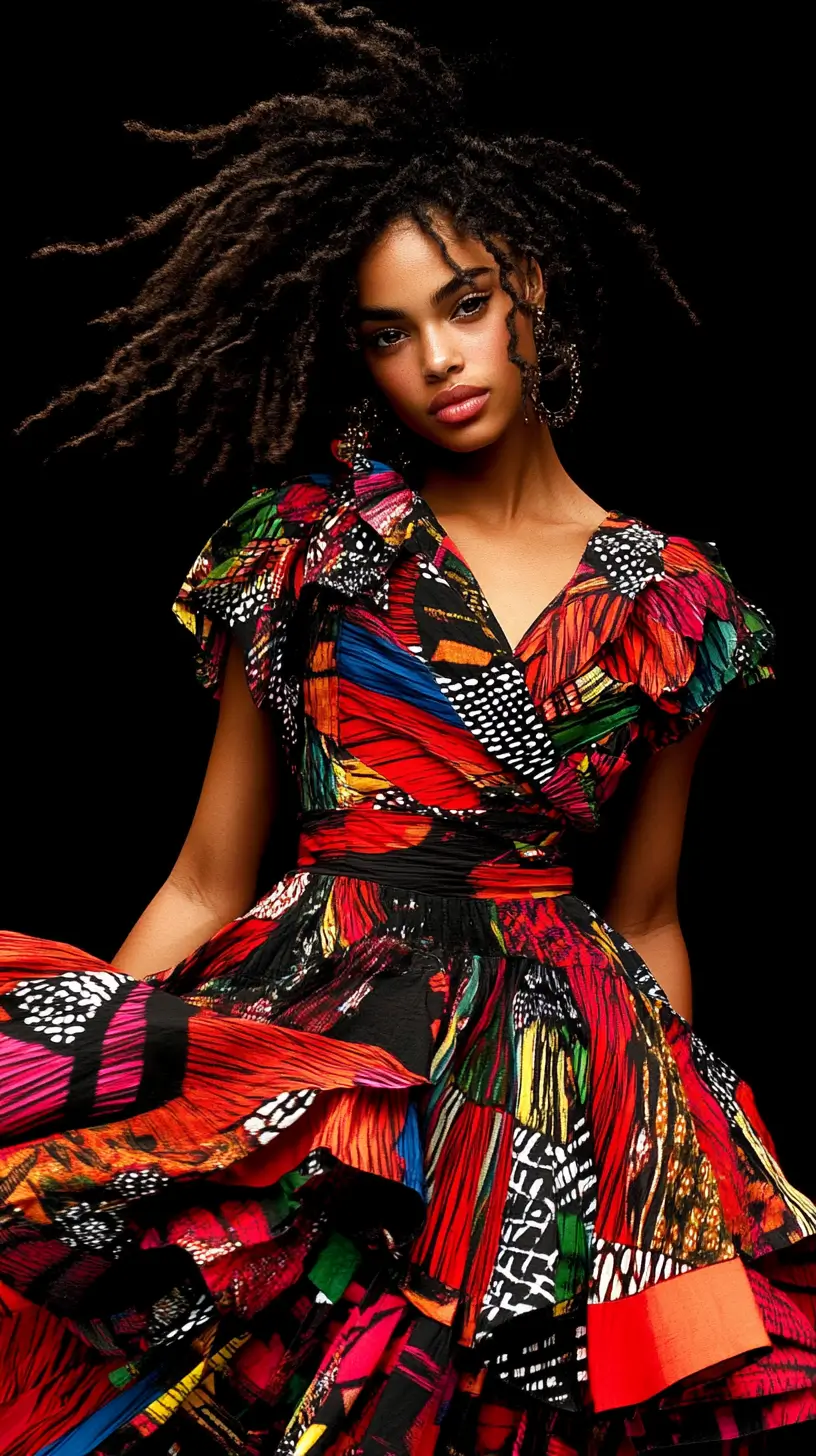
{"points": [[543, 996], [235, 602], [178, 1314], [719, 1076], [84, 1227], [138, 1183], [318, 1161], [636, 969], [274, 1117], [629, 558], [357, 565], [494, 704], [61, 1010], [640, 973], [395, 798], [551, 1366]]}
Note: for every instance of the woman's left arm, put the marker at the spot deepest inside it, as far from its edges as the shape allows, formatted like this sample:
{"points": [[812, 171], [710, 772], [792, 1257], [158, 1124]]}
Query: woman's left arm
{"points": [[642, 904]]}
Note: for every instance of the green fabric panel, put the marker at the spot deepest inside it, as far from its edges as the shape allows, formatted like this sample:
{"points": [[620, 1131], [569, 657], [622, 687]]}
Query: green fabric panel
{"points": [[580, 1067], [571, 1270], [334, 1266], [121, 1377], [295, 1390], [591, 724]]}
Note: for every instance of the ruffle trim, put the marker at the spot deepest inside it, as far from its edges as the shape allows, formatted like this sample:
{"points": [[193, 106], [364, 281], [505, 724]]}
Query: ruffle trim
{"points": [[246, 581], [259, 1135], [675, 628], [698, 636], [249, 577], [680, 638]]}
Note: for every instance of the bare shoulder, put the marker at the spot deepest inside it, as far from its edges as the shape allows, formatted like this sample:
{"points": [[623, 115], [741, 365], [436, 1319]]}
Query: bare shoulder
{"points": [[567, 508], [588, 513]]}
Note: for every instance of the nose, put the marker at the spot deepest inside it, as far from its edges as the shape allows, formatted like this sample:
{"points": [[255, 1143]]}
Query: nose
{"points": [[441, 354]]}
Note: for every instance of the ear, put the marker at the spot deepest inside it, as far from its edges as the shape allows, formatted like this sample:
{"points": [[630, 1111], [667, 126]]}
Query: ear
{"points": [[535, 289]]}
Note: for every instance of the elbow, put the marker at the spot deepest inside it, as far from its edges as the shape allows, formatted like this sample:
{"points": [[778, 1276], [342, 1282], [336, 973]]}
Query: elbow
{"points": [[225, 901], [637, 928], [645, 916]]}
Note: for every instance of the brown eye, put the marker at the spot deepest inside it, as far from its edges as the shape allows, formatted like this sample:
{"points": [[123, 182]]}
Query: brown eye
{"points": [[471, 305], [384, 338]]}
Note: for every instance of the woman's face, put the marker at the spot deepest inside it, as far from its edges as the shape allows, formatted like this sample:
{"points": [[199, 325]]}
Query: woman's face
{"points": [[437, 347]]}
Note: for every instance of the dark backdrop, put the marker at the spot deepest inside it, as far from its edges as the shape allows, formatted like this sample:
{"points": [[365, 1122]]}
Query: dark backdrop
{"points": [[694, 429]]}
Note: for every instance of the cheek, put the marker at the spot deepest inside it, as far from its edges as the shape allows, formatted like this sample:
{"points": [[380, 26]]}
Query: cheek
{"points": [[526, 340], [524, 344], [398, 376], [490, 349], [495, 353], [483, 348]]}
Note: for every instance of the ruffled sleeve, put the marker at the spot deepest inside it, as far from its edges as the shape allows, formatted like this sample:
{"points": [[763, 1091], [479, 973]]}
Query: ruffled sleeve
{"points": [[690, 636], [245, 583]]}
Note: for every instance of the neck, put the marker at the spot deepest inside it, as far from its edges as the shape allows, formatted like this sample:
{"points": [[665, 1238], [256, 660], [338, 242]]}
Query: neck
{"points": [[519, 473]]}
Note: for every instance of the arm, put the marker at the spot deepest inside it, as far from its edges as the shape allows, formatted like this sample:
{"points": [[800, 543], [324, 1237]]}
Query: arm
{"points": [[214, 878], [642, 904]]}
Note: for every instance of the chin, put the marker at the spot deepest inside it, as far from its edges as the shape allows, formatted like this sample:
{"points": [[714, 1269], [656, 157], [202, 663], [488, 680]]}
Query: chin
{"points": [[464, 439]]}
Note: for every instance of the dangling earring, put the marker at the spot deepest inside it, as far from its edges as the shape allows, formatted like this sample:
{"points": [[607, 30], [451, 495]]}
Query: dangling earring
{"points": [[550, 343], [354, 447]]}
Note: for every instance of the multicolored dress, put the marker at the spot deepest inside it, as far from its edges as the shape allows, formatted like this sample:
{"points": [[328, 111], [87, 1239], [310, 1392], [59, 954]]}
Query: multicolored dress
{"points": [[415, 1155]]}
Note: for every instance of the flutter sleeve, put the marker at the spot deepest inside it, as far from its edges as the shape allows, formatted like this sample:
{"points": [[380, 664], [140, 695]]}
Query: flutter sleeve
{"points": [[245, 583], [694, 636]]}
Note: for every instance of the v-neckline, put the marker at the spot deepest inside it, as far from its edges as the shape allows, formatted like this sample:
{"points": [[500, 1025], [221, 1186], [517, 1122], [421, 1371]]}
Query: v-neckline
{"points": [[496, 626]]}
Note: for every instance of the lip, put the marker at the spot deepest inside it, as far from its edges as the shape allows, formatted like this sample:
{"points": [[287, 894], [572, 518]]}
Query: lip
{"points": [[458, 405]]}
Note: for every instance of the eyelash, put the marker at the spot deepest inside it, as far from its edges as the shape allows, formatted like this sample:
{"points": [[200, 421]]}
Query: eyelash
{"points": [[374, 339]]}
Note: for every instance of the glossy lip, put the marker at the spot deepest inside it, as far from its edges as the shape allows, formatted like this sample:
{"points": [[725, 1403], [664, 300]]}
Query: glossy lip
{"points": [[460, 403]]}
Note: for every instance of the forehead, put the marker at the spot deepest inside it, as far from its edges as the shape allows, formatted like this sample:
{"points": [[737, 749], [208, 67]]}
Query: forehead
{"points": [[405, 263]]}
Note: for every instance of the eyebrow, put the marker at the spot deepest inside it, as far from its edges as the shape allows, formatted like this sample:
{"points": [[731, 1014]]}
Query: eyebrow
{"points": [[461, 280]]}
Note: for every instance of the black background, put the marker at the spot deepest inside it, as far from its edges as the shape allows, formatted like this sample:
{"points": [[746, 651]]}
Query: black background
{"points": [[696, 429]]}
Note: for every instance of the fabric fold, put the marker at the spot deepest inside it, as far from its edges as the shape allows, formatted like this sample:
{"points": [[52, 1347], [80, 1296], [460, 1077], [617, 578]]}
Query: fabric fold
{"points": [[415, 1154]]}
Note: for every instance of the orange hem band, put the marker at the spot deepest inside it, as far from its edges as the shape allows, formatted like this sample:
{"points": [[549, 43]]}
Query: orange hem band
{"points": [[640, 1345]]}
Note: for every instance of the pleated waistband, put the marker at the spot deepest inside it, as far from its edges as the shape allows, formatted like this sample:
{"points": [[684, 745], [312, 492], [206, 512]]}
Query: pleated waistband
{"points": [[429, 854]]}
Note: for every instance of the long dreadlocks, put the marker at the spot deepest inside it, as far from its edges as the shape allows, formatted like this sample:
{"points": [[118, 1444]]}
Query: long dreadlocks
{"points": [[241, 324]]}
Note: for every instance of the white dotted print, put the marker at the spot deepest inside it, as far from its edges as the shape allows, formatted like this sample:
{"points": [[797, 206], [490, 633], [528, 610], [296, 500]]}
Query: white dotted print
{"points": [[84, 1227], [360, 565], [62, 1009], [620, 1271], [138, 1183], [394, 798], [174, 1317], [629, 558], [497, 709], [719, 1076], [273, 1118]]}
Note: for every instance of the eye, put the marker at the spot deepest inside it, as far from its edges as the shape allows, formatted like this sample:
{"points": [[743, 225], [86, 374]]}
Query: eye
{"points": [[384, 338], [471, 305]]}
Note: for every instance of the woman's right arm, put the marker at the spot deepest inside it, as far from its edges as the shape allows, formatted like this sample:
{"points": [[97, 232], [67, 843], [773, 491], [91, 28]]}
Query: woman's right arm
{"points": [[214, 878]]}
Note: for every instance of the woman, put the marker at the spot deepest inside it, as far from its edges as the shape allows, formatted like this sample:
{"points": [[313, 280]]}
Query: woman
{"points": [[415, 1152]]}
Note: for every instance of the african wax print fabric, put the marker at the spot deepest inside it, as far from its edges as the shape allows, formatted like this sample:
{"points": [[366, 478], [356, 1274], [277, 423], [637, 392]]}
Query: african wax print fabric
{"points": [[415, 1155]]}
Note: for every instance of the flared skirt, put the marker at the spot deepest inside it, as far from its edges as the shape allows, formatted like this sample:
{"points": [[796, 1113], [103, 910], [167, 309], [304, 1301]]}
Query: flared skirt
{"points": [[379, 1171]]}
